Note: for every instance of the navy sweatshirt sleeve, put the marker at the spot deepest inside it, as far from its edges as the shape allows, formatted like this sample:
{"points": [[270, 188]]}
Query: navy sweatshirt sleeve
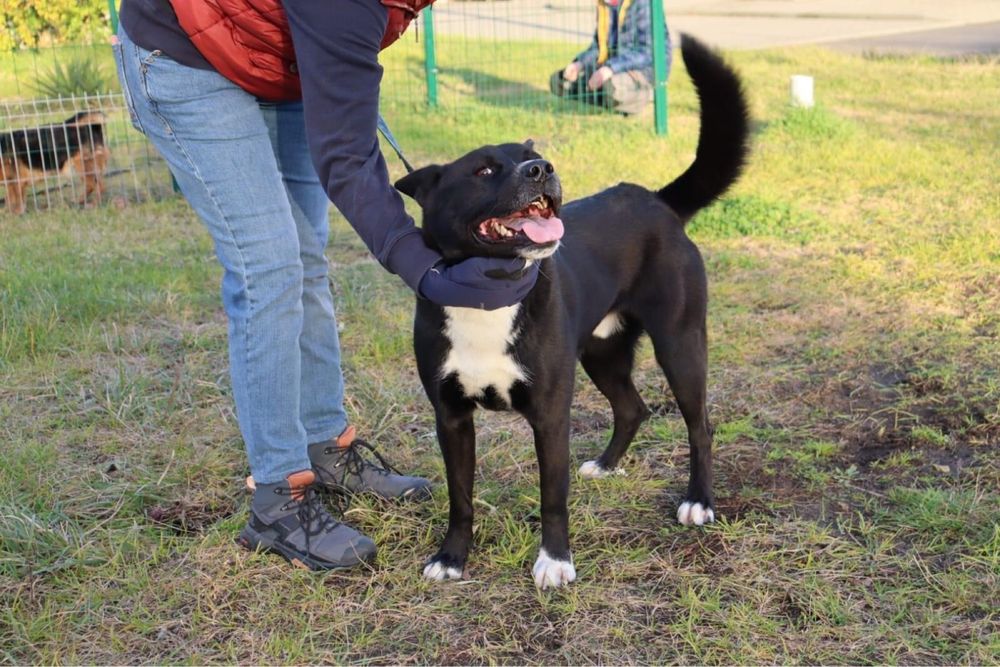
{"points": [[336, 49]]}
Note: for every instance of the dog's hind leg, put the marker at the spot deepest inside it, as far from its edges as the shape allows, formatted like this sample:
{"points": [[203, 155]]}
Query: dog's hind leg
{"points": [[608, 362], [83, 166], [683, 356], [10, 171], [457, 437], [91, 171]]}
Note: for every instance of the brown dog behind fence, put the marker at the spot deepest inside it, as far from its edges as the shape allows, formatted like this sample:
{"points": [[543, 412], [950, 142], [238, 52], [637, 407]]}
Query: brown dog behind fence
{"points": [[30, 155]]}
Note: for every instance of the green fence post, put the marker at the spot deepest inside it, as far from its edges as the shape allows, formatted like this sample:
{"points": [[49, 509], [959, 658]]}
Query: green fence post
{"points": [[430, 58], [113, 10], [659, 67]]}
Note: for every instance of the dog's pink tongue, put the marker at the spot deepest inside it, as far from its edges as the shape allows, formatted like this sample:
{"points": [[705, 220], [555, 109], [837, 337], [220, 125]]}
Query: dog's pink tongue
{"points": [[542, 230]]}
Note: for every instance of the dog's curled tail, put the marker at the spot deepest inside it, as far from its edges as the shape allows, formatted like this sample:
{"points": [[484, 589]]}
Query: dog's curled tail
{"points": [[723, 139]]}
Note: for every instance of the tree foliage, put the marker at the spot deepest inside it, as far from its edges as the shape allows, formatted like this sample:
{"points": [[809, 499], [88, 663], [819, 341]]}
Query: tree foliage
{"points": [[31, 23]]}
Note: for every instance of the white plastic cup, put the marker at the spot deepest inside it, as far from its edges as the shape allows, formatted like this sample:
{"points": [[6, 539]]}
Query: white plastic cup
{"points": [[802, 91]]}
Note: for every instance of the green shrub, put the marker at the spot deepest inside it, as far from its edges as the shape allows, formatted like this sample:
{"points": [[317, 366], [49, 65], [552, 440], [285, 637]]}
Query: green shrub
{"points": [[79, 76]]}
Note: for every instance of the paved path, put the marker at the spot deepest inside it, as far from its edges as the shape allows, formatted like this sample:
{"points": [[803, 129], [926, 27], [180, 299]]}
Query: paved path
{"points": [[979, 38], [748, 24]]}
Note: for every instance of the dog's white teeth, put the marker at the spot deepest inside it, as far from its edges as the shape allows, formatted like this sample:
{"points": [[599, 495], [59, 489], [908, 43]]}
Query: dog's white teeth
{"points": [[496, 229]]}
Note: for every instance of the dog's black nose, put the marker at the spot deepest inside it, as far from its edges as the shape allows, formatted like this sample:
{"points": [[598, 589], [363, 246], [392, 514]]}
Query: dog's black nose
{"points": [[536, 170]]}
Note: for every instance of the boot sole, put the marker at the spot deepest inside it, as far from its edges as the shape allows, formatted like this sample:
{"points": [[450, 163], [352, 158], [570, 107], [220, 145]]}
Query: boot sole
{"points": [[251, 540], [417, 495]]}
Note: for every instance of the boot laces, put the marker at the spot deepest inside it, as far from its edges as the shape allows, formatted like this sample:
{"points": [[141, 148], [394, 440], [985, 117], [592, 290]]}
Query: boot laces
{"points": [[354, 463], [312, 515]]}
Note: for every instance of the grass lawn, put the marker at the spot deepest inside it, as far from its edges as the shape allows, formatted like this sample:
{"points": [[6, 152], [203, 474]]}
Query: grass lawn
{"points": [[854, 385]]}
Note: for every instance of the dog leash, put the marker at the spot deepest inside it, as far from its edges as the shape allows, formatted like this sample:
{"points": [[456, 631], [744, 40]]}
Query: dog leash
{"points": [[383, 127]]}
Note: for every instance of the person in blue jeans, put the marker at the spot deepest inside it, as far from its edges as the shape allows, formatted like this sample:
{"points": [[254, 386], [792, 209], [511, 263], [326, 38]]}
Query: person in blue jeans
{"points": [[616, 70], [260, 175]]}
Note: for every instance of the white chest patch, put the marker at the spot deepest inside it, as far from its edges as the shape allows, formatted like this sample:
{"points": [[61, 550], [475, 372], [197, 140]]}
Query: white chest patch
{"points": [[609, 326], [478, 355]]}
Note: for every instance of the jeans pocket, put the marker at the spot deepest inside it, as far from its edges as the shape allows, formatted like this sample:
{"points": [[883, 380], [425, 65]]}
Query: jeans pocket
{"points": [[163, 82], [148, 58], [119, 52]]}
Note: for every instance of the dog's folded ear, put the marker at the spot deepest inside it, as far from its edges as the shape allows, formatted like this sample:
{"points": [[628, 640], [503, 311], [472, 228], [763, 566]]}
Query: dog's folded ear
{"points": [[418, 184], [529, 150]]}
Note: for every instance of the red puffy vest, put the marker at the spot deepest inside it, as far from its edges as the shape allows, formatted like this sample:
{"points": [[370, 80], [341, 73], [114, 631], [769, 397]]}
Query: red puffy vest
{"points": [[249, 43]]}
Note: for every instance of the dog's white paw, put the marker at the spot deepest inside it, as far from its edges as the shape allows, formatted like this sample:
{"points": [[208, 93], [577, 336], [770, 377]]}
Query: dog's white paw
{"points": [[552, 573], [694, 514], [438, 571], [594, 470]]}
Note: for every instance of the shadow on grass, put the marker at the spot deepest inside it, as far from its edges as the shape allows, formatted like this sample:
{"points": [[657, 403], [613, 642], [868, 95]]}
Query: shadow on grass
{"points": [[460, 83], [499, 92]]}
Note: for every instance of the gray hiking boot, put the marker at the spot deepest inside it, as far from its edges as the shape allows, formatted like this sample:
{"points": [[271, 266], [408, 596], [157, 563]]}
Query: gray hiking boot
{"points": [[341, 466], [288, 519]]}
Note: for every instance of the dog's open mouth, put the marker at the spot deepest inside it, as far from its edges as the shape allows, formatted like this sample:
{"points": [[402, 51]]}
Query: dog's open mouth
{"points": [[536, 223]]}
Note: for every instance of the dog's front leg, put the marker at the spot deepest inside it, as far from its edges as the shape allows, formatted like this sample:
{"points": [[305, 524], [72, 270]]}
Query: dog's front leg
{"points": [[554, 566], [457, 438]]}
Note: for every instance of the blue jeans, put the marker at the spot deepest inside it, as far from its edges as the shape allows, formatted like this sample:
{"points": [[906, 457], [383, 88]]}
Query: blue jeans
{"points": [[244, 167]]}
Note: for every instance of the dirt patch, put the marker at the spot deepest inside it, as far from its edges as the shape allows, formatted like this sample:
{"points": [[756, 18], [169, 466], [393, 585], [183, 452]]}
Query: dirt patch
{"points": [[771, 488], [191, 517], [587, 422], [736, 507], [879, 410], [870, 446], [668, 406], [899, 411]]}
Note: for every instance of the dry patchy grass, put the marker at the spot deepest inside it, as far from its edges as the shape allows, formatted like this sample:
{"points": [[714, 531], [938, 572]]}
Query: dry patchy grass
{"points": [[854, 386]]}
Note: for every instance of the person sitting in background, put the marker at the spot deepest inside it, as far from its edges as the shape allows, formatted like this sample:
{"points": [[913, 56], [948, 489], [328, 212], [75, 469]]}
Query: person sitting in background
{"points": [[616, 71]]}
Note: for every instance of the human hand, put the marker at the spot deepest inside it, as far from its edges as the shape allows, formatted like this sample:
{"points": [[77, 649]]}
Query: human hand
{"points": [[479, 282], [572, 71], [600, 77]]}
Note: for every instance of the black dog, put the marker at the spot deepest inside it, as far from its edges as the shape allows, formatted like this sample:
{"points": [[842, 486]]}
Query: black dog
{"points": [[625, 267]]}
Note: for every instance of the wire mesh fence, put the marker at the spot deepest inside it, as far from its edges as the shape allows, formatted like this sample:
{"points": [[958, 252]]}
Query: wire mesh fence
{"points": [[480, 57], [75, 151], [499, 53]]}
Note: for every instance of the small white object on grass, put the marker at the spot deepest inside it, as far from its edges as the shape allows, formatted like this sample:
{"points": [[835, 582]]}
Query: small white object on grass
{"points": [[802, 91]]}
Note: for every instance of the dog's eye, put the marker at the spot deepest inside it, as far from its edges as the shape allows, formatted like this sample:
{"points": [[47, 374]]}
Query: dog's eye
{"points": [[484, 171]]}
